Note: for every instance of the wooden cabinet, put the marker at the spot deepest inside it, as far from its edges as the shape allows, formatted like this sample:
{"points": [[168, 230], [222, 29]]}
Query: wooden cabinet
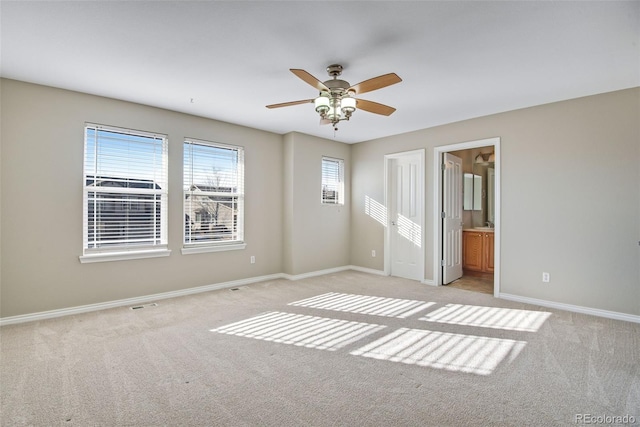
{"points": [[488, 252], [477, 251], [472, 250]]}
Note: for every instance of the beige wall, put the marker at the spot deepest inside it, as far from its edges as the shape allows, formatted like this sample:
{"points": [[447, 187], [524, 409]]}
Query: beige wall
{"points": [[42, 158], [570, 198], [570, 201], [317, 235]]}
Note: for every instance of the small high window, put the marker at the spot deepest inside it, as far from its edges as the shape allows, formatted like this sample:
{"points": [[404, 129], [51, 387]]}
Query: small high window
{"points": [[332, 181]]}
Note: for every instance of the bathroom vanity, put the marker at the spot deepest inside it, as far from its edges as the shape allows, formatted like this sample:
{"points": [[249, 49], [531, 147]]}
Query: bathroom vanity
{"points": [[477, 254]]}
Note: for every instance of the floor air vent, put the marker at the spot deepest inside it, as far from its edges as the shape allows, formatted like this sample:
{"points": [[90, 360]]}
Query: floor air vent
{"points": [[137, 307]]}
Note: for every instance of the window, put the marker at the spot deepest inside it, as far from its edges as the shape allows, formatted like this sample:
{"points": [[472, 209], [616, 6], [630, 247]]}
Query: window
{"points": [[332, 181], [213, 197], [125, 194]]}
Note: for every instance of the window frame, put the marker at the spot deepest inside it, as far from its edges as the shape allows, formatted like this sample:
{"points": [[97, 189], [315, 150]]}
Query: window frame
{"points": [[130, 249], [211, 245], [339, 200]]}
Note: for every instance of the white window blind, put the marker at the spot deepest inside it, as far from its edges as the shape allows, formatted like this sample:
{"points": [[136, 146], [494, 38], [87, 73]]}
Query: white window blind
{"points": [[332, 181], [125, 190], [213, 193]]}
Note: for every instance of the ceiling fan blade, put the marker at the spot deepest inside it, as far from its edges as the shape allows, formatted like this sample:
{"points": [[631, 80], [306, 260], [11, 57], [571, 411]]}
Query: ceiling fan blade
{"points": [[374, 107], [287, 104], [376, 83], [308, 78]]}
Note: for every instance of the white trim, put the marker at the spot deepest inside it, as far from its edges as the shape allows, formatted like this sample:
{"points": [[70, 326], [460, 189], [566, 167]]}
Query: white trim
{"points": [[132, 301], [211, 143], [294, 277], [43, 315], [121, 256], [188, 250], [573, 308], [127, 131], [437, 203], [367, 270]]}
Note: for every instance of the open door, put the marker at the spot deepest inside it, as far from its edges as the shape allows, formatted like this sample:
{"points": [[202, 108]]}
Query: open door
{"points": [[451, 219]]}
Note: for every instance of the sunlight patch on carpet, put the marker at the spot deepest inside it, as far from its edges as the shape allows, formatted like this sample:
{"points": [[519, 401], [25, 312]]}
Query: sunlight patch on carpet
{"points": [[362, 304], [301, 330], [441, 350], [488, 317]]}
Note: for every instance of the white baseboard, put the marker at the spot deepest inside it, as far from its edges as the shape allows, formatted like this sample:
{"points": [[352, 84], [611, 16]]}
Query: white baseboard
{"points": [[573, 308], [234, 283], [132, 301], [295, 277], [173, 294], [367, 270]]}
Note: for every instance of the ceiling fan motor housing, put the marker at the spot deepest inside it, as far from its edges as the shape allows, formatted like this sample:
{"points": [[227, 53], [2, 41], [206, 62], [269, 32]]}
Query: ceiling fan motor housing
{"points": [[337, 85], [334, 70]]}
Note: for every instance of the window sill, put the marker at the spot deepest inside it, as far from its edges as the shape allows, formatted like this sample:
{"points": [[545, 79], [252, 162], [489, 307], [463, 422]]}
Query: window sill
{"points": [[217, 248], [124, 255]]}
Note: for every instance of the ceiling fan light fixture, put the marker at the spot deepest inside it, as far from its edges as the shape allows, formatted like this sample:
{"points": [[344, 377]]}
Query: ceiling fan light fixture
{"points": [[322, 104], [334, 113], [348, 105]]}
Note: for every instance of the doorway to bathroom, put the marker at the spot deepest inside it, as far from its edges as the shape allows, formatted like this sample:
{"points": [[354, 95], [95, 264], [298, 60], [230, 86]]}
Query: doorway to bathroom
{"points": [[467, 209]]}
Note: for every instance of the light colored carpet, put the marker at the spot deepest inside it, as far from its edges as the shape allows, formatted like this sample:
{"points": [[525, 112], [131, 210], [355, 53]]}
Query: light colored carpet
{"points": [[347, 349]]}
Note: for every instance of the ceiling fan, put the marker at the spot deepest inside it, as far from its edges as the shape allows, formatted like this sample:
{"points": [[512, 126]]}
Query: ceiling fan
{"points": [[336, 101]]}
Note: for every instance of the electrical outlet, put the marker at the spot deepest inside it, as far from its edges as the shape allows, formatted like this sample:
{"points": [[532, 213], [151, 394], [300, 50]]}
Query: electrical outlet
{"points": [[253, 259], [373, 253], [545, 277]]}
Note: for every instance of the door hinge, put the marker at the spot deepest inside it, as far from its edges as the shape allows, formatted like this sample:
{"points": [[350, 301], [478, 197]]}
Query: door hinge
{"points": [[443, 166], [443, 215], [443, 263]]}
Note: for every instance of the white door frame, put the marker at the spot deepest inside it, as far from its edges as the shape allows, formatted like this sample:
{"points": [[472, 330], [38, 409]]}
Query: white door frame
{"points": [[437, 203], [388, 158]]}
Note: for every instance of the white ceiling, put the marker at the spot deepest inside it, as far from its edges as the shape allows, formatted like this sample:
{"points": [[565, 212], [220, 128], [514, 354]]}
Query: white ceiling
{"points": [[458, 60]]}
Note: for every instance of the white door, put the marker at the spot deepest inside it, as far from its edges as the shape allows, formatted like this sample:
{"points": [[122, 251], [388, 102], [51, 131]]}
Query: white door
{"points": [[406, 205], [452, 219]]}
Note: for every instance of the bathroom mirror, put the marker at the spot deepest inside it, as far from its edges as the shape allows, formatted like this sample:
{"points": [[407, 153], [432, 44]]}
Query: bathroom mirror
{"points": [[472, 192], [479, 189]]}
